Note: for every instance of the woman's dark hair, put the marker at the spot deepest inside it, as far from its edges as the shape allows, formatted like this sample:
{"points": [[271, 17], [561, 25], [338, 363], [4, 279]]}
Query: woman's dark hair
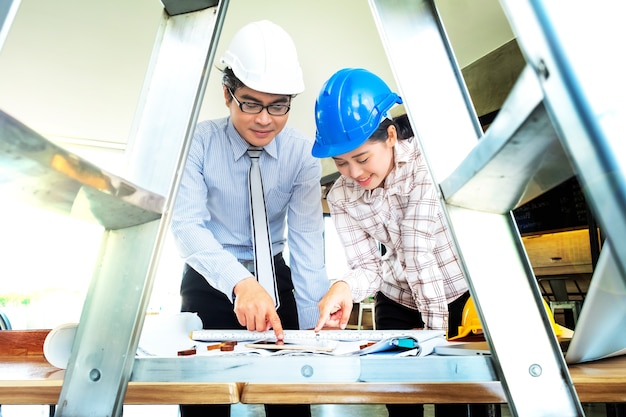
{"points": [[402, 124]]}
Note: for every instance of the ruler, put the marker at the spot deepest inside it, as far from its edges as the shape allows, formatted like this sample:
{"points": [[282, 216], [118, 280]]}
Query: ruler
{"points": [[213, 335]]}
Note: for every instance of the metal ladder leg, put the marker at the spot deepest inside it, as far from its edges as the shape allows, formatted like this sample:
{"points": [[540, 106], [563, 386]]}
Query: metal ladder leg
{"points": [[113, 315], [8, 9], [535, 377]]}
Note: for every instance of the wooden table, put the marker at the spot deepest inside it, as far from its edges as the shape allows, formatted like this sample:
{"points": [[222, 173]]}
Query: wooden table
{"points": [[27, 378]]}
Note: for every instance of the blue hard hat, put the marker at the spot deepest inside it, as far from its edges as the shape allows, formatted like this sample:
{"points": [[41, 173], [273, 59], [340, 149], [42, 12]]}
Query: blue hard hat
{"points": [[348, 110]]}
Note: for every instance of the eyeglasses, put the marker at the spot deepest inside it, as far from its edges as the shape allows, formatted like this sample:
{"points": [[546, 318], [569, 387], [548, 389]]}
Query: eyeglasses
{"points": [[256, 108]]}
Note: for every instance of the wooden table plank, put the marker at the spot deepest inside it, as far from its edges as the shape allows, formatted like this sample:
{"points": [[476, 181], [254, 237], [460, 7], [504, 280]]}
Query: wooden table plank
{"points": [[30, 392], [374, 393], [600, 381], [182, 393], [47, 392], [22, 342]]}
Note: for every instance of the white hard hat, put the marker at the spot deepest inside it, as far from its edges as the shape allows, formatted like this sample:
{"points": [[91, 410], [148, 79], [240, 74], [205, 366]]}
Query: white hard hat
{"points": [[263, 56]]}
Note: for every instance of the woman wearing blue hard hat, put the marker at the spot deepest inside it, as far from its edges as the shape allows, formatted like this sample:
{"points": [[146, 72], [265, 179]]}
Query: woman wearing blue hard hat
{"points": [[385, 195]]}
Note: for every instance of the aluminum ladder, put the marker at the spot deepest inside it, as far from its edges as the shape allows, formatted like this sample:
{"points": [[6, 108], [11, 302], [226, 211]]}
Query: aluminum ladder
{"points": [[546, 121], [481, 181]]}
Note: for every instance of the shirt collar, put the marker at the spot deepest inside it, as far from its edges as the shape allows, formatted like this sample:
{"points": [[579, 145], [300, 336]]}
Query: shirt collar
{"points": [[402, 151], [240, 146]]}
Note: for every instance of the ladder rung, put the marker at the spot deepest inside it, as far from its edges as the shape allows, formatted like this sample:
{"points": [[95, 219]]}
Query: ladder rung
{"points": [[45, 175], [519, 158]]}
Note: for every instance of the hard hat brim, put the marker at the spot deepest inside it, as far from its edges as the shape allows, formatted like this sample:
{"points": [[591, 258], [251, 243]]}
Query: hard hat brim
{"points": [[328, 151]]}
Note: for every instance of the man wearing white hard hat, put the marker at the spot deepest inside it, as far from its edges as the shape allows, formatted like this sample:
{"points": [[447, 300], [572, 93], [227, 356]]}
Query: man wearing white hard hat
{"points": [[212, 216]]}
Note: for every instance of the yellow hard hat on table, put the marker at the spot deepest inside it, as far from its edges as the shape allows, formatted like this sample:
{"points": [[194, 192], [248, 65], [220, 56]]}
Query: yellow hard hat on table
{"points": [[471, 324]]}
